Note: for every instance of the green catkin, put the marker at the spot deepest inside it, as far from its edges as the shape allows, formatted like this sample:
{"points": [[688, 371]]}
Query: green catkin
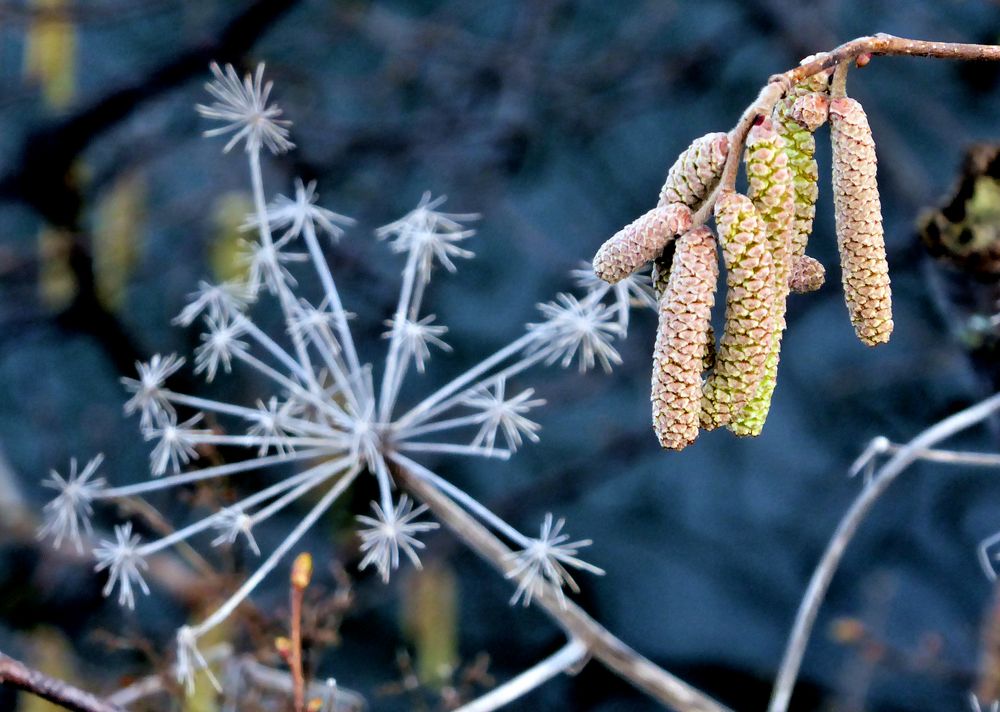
{"points": [[858, 214], [796, 117], [772, 194], [683, 338], [696, 171], [743, 348]]}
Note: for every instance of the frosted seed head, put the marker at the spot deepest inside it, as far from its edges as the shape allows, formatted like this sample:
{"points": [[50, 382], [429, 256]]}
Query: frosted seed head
{"points": [[544, 561], [242, 106]]}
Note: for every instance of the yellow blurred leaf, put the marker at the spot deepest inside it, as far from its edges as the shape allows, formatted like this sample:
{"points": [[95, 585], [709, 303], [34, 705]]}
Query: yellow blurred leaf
{"points": [[118, 237], [56, 281], [50, 51], [226, 252], [430, 621]]}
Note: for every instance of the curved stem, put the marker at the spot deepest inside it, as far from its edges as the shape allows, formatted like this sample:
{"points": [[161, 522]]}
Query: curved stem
{"points": [[560, 661], [823, 574], [601, 643]]}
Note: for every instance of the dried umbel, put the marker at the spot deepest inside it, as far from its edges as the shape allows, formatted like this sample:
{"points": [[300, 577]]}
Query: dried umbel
{"points": [[683, 339], [746, 340], [772, 195], [696, 171], [806, 275], [858, 214], [640, 241]]}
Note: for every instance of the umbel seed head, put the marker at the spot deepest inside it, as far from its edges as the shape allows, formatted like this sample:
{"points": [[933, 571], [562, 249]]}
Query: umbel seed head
{"points": [[858, 214], [696, 171], [743, 348], [683, 339], [640, 241]]}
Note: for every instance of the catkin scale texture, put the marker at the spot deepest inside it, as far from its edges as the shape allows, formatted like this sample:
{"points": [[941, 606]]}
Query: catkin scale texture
{"points": [[683, 339], [640, 241], [696, 171], [858, 214], [796, 117], [772, 194], [743, 347], [807, 274]]}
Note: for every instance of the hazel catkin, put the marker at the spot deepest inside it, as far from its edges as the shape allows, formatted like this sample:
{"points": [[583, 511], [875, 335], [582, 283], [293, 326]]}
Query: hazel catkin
{"points": [[683, 339], [771, 193], [743, 348], [640, 241], [696, 171], [858, 214], [807, 274]]}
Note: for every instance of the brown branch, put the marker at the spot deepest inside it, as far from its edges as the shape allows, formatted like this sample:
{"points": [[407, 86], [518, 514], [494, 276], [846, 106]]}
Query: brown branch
{"points": [[779, 84], [16, 674], [601, 643]]}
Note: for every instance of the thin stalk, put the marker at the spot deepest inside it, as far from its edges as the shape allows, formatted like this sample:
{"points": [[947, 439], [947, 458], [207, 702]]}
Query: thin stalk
{"points": [[264, 569], [823, 574], [562, 660]]}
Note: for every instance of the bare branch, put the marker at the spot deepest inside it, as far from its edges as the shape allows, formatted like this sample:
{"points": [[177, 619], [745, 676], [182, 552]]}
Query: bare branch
{"points": [[17, 674], [630, 665], [823, 574]]}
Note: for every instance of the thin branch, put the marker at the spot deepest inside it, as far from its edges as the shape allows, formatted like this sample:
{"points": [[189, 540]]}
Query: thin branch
{"points": [[17, 674], [560, 661], [612, 652], [823, 574], [779, 85]]}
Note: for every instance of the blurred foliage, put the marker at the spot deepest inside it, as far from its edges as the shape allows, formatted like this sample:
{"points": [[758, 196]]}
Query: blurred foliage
{"points": [[50, 51], [118, 237]]}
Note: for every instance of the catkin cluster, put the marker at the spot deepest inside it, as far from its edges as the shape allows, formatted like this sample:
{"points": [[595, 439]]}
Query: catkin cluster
{"points": [[763, 234]]}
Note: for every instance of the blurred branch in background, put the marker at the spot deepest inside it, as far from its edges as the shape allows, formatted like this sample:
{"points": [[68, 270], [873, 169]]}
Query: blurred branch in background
{"points": [[16, 674]]}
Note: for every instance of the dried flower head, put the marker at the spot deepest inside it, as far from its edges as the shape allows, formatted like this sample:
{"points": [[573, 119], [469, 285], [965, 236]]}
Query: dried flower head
{"points": [[243, 106], [544, 560], [696, 171], [640, 241], [858, 214], [682, 339], [745, 342]]}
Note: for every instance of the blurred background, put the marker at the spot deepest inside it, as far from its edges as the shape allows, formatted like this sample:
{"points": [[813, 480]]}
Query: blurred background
{"points": [[556, 120]]}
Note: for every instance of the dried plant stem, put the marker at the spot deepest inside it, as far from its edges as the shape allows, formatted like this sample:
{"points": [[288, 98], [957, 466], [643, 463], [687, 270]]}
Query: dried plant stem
{"points": [[598, 641], [780, 84], [295, 657], [823, 574], [562, 660], [17, 674]]}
